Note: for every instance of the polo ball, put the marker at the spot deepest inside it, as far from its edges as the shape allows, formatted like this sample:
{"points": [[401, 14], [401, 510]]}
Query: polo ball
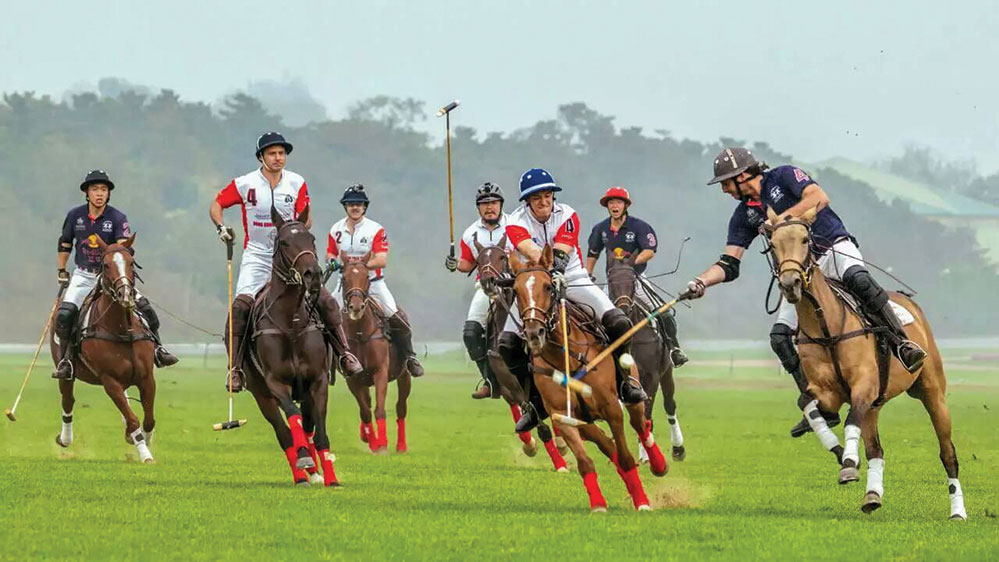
{"points": [[626, 361]]}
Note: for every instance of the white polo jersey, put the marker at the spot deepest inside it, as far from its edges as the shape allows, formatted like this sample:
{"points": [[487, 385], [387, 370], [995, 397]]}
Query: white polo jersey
{"points": [[479, 231], [254, 195], [368, 236], [562, 227]]}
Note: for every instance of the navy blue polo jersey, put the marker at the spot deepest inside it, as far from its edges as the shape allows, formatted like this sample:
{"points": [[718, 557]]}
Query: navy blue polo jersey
{"points": [[81, 230], [634, 236], [780, 190]]}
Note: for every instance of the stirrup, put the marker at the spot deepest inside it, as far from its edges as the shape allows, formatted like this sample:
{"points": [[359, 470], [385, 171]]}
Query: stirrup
{"points": [[678, 357], [636, 395], [914, 347], [55, 373], [238, 380]]}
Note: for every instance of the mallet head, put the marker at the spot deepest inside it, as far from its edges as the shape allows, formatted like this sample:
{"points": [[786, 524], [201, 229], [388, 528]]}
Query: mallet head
{"points": [[234, 424], [447, 108], [10, 414]]}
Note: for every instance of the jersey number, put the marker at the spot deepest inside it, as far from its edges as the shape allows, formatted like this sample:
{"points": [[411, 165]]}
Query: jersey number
{"points": [[338, 234], [251, 197], [569, 227]]}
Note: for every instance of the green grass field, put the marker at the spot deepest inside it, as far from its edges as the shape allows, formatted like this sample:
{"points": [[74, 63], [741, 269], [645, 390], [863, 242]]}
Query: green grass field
{"points": [[465, 490]]}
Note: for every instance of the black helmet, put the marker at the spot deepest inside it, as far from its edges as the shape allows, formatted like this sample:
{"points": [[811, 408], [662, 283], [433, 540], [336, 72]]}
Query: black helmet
{"points": [[271, 139], [731, 162], [354, 194], [487, 192], [96, 176]]}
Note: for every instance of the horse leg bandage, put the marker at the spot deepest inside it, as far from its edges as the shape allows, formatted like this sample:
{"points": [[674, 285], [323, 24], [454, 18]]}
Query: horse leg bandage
{"points": [[372, 437], [675, 435], [298, 474], [956, 499], [851, 444], [66, 435], [876, 476], [140, 445], [657, 462], [525, 436], [597, 500], [382, 433], [400, 435], [557, 460], [635, 488], [326, 458], [297, 433], [819, 425], [365, 430], [312, 452]]}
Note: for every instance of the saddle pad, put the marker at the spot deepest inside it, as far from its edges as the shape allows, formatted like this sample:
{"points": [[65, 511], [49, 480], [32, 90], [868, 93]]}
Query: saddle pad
{"points": [[903, 314]]}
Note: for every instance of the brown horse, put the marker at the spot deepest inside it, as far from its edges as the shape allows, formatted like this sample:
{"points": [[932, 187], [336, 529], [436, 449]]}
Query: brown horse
{"points": [[648, 347], [289, 358], [493, 264], [848, 347], [116, 349], [541, 315], [365, 328]]}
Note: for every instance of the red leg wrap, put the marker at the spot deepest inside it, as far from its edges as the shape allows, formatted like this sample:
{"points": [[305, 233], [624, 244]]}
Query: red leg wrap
{"points": [[557, 461], [297, 433], [329, 476], [635, 489], [299, 475], [657, 462], [312, 452], [400, 440], [593, 490], [382, 434], [365, 429]]}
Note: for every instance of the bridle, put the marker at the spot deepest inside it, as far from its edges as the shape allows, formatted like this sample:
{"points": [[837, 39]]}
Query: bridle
{"points": [[487, 268], [536, 313], [623, 300], [802, 269], [354, 291], [121, 289], [284, 268]]}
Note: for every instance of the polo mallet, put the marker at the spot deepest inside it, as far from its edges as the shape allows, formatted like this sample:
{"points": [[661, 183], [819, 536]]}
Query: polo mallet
{"points": [[446, 113], [231, 423], [9, 412], [567, 418], [686, 295]]}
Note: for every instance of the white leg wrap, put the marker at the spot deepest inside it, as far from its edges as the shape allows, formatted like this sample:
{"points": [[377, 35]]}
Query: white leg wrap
{"points": [[819, 426], [140, 446], [66, 435], [675, 435], [876, 476], [956, 499], [851, 444]]}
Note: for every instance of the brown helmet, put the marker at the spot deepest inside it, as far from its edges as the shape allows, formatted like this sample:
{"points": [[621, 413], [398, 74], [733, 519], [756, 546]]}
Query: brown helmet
{"points": [[731, 162]]}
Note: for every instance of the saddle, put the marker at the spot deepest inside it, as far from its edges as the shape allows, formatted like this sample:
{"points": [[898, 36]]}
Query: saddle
{"points": [[86, 324], [259, 311]]}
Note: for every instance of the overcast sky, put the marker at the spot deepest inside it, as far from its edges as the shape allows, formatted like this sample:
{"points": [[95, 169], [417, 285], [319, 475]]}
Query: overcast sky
{"points": [[815, 79]]}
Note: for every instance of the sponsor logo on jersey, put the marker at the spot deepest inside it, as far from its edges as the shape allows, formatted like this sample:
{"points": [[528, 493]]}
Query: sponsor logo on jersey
{"points": [[629, 236], [288, 199], [651, 238], [107, 226], [776, 194], [92, 241]]}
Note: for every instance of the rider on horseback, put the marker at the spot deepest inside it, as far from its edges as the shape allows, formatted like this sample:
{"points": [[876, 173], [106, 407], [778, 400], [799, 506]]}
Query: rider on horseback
{"points": [[489, 230], [257, 192], [539, 222], [625, 236], [82, 227], [358, 236], [787, 190]]}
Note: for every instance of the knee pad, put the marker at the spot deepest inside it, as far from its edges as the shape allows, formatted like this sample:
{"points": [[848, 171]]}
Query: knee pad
{"points": [[65, 318], [782, 342], [616, 323], [474, 336], [863, 286]]}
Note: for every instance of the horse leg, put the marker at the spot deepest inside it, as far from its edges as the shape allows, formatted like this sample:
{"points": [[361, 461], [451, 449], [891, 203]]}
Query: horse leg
{"points": [[875, 462], [669, 404], [545, 434], [404, 386], [861, 398], [269, 408], [529, 446], [133, 433], [299, 444], [380, 378], [363, 398], [821, 430], [627, 467], [935, 402], [319, 442], [65, 437], [586, 469], [309, 426], [147, 395], [636, 416], [563, 448]]}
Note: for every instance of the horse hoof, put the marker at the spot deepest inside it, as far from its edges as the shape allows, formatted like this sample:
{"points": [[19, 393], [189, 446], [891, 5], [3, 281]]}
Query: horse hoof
{"points": [[303, 483], [60, 443], [401, 449], [305, 463], [958, 517], [380, 451], [531, 448], [562, 469], [872, 501], [849, 474], [644, 507], [334, 484], [598, 509], [150, 460], [315, 478], [679, 453]]}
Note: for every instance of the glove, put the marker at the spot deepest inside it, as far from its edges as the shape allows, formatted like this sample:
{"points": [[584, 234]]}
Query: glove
{"points": [[333, 266], [451, 263], [560, 260], [696, 288], [63, 277], [558, 283], [593, 278], [226, 234]]}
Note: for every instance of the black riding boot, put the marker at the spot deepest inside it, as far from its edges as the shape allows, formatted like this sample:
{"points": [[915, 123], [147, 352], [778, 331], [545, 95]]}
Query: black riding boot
{"points": [[241, 307], [329, 311], [874, 301], [161, 357], [402, 337], [64, 322], [782, 342], [474, 336], [511, 349], [676, 355], [616, 324]]}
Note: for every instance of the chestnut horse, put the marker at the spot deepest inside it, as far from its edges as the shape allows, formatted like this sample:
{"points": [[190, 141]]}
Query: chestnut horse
{"points": [[648, 347], [364, 325], [541, 314], [848, 347], [289, 358], [116, 349]]}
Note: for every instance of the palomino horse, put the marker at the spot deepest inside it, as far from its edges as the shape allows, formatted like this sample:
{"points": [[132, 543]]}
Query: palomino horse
{"points": [[365, 328], [648, 347], [289, 359], [493, 264], [541, 315], [116, 349], [848, 347]]}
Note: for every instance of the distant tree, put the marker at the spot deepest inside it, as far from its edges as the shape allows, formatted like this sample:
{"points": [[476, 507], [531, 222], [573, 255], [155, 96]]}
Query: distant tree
{"points": [[395, 113]]}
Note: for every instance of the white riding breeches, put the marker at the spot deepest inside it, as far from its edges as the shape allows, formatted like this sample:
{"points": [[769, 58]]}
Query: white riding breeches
{"points": [[254, 273], [378, 291], [80, 285], [834, 263], [478, 309], [580, 291]]}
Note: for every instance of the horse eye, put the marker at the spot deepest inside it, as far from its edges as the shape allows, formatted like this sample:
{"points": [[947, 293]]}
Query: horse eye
{"points": [[804, 240]]}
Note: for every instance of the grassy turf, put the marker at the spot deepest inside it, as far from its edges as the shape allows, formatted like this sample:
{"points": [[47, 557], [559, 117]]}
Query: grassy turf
{"points": [[465, 490]]}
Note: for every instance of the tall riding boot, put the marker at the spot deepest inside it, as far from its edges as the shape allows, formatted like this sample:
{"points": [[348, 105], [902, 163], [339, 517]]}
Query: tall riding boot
{"points": [[402, 338], [782, 342], [676, 355], [161, 357], [616, 324], [474, 336], [241, 307], [64, 322], [875, 302], [511, 349], [908, 351], [329, 311]]}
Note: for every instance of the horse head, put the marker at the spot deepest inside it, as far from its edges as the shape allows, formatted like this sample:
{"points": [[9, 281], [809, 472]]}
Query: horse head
{"points": [[295, 259], [118, 272], [533, 288], [621, 281], [354, 284], [790, 241], [492, 262]]}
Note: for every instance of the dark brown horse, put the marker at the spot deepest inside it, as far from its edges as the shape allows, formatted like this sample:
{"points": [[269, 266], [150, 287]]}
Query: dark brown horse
{"points": [[648, 347], [116, 349], [838, 356], [289, 359], [364, 325], [493, 264], [542, 318]]}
